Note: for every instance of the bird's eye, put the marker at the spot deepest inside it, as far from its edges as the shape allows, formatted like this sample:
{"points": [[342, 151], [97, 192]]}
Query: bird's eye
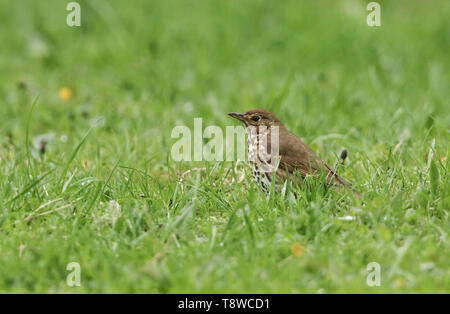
{"points": [[256, 118]]}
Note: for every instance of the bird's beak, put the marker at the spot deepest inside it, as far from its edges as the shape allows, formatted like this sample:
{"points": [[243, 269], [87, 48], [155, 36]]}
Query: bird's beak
{"points": [[239, 116]]}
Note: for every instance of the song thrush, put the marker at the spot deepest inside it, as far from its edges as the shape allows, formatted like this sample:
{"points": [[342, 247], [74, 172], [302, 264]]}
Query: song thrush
{"points": [[263, 128]]}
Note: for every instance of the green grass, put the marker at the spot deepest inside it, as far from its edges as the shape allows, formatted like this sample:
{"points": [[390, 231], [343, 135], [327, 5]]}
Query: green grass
{"points": [[138, 69]]}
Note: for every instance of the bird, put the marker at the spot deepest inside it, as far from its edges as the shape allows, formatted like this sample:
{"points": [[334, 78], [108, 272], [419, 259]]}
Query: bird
{"points": [[285, 160]]}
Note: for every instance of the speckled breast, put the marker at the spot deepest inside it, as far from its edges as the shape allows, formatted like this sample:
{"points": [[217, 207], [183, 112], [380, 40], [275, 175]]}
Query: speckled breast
{"points": [[260, 161]]}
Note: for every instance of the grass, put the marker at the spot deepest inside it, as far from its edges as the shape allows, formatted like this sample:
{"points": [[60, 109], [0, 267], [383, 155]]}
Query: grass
{"points": [[106, 194]]}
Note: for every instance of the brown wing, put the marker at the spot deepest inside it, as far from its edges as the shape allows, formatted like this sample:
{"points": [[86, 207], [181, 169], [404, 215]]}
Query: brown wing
{"points": [[296, 155]]}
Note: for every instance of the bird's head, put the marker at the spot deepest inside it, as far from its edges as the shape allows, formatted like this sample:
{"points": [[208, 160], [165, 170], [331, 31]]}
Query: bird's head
{"points": [[257, 117]]}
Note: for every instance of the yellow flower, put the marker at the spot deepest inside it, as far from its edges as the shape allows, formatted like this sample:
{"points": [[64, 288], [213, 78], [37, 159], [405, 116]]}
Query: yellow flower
{"points": [[65, 93], [297, 249], [399, 283]]}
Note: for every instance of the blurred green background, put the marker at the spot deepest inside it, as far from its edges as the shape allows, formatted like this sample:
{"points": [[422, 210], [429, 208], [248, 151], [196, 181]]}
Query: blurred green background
{"points": [[134, 70]]}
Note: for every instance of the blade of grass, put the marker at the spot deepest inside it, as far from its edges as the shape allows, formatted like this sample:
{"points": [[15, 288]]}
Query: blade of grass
{"points": [[28, 187], [27, 138], [110, 175], [249, 226], [72, 157], [4, 217]]}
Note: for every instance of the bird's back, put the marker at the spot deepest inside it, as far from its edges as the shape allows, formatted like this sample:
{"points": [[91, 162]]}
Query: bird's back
{"points": [[296, 155]]}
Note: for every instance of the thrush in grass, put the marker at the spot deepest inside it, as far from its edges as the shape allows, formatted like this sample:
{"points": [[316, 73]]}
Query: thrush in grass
{"points": [[289, 159]]}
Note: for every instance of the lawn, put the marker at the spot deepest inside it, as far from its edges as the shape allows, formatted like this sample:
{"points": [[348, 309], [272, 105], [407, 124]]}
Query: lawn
{"points": [[87, 177]]}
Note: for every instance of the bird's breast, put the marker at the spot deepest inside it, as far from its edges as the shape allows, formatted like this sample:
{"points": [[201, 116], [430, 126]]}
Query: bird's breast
{"points": [[261, 161]]}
